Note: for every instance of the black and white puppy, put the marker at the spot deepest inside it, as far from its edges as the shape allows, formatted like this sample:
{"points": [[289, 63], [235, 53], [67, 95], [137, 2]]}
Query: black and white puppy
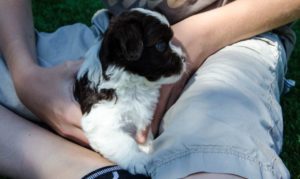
{"points": [[118, 96]]}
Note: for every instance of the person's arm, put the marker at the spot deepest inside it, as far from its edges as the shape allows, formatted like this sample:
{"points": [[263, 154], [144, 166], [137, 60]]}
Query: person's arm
{"points": [[46, 92], [205, 33], [17, 36]]}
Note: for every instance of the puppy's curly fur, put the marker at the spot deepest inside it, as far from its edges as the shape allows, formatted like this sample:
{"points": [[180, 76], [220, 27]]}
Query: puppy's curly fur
{"points": [[118, 96]]}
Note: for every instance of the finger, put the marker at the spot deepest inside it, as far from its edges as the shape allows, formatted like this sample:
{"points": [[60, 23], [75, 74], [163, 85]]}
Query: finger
{"points": [[160, 108], [76, 62], [157, 119], [74, 114], [71, 68], [76, 65], [178, 88], [78, 136], [141, 137], [76, 133], [174, 95]]}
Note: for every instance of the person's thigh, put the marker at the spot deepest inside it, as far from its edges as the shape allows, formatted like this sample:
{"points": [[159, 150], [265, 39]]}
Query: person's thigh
{"points": [[228, 119], [30, 151]]}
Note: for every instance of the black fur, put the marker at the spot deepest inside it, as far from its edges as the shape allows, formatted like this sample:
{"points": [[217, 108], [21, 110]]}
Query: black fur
{"points": [[130, 42], [87, 96], [134, 41]]}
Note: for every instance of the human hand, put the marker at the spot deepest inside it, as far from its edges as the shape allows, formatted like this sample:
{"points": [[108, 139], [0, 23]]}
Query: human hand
{"points": [[168, 96], [48, 93]]}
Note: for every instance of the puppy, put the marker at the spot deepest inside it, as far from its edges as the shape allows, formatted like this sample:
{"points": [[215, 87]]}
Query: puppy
{"points": [[118, 84]]}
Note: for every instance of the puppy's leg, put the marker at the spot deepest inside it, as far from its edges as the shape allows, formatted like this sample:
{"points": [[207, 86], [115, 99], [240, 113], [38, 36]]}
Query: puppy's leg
{"points": [[106, 136], [120, 148], [124, 150]]}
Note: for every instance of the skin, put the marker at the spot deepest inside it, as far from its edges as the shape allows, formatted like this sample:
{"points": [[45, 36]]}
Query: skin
{"points": [[29, 151], [223, 26], [53, 85], [214, 30]]}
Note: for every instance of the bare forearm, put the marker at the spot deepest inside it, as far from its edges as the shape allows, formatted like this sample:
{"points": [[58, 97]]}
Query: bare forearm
{"points": [[17, 42], [239, 20], [245, 18]]}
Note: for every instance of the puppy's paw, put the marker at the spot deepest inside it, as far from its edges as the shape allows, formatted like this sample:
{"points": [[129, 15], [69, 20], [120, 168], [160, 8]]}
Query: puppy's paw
{"points": [[138, 164]]}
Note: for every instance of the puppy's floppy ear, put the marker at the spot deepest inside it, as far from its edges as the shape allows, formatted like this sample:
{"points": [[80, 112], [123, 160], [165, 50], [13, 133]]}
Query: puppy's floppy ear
{"points": [[123, 41], [130, 40], [110, 14]]}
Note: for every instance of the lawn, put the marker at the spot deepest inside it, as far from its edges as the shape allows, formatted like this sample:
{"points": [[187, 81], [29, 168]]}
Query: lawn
{"points": [[50, 14], [291, 113]]}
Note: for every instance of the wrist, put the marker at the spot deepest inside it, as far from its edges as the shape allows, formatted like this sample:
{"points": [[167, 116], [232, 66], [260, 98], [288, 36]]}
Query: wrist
{"points": [[22, 74], [20, 59]]}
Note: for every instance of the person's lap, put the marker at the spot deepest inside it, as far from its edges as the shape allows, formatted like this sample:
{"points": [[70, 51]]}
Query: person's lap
{"points": [[228, 120]]}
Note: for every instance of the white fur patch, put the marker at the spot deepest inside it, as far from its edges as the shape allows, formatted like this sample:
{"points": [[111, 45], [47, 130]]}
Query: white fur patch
{"points": [[157, 15], [169, 80], [135, 105], [176, 49], [91, 65]]}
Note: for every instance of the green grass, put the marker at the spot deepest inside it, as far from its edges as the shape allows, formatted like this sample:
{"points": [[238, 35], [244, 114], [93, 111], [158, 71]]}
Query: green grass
{"points": [[51, 14], [291, 112]]}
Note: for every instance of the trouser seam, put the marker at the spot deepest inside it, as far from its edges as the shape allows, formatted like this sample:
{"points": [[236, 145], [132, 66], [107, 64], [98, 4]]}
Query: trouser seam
{"points": [[212, 149]]}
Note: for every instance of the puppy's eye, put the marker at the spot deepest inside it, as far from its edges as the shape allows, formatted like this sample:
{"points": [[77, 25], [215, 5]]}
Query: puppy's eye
{"points": [[161, 46]]}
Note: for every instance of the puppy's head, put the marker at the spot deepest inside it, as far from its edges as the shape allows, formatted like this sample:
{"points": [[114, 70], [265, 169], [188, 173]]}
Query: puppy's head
{"points": [[140, 42]]}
